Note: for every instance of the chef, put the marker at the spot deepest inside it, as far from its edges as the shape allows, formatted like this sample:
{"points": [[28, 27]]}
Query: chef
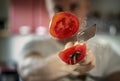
{"points": [[40, 61]]}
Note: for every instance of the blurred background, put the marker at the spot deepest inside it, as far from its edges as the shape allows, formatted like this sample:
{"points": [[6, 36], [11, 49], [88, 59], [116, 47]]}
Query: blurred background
{"points": [[24, 20]]}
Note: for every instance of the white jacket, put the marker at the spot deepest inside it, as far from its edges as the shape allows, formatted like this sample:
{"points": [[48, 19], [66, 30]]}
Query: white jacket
{"points": [[108, 61]]}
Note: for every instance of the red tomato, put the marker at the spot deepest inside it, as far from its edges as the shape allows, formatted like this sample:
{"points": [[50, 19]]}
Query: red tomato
{"points": [[64, 25], [73, 54]]}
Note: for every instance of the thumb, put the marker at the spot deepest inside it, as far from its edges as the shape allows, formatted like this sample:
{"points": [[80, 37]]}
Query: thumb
{"points": [[69, 44]]}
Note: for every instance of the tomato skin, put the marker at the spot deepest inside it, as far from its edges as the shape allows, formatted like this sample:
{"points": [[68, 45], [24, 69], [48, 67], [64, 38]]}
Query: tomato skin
{"points": [[65, 54], [64, 25]]}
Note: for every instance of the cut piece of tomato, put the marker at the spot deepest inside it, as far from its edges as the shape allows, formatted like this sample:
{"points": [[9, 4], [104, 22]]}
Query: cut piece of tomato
{"points": [[74, 54], [64, 25]]}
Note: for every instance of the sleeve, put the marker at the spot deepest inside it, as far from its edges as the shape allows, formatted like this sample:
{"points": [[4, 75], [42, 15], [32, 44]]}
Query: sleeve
{"points": [[114, 61], [34, 56], [43, 47], [107, 59]]}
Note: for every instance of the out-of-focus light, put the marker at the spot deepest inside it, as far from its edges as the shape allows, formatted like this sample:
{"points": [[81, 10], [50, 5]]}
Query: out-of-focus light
{"points": [[41, 30], [24, 30], [112, 30]]}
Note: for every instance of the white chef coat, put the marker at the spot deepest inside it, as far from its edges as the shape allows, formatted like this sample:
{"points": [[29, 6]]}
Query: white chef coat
{"points": [[107, 60]]}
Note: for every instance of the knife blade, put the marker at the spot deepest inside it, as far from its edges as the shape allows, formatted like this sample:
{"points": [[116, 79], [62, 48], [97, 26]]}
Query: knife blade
{"points": [[86, 34]]}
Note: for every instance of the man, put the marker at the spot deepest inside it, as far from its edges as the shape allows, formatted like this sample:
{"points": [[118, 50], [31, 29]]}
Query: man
{"points": [[40, 61]]}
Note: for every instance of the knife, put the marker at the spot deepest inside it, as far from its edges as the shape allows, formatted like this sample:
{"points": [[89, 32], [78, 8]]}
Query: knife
{"points": [[86, 34]]}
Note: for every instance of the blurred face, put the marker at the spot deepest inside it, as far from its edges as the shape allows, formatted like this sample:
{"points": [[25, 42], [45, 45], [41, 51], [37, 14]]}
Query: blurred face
{"points": [[78, 7]]}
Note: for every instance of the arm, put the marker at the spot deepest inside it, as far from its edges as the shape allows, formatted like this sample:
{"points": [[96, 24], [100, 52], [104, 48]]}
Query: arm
{"points": [[51, 68]]}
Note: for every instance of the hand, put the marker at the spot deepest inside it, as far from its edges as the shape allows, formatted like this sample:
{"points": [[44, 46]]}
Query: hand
{"points": [[86, 65], [52, 67]]}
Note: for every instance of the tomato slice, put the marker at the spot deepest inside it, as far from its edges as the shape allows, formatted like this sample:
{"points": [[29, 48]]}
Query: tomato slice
{"points": [[73, 54], [64, 25]]}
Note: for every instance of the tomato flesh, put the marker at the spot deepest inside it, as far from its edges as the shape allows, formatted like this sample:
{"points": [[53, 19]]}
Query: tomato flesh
{"points": [[73, 54], [64, 25]]}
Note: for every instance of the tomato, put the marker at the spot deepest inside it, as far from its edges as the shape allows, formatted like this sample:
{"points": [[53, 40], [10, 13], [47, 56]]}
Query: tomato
{"points": [[74, 54], [64, 25]]}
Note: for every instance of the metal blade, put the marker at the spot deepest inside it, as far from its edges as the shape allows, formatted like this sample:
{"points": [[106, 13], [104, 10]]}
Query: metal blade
{"points": [[86, 34]]}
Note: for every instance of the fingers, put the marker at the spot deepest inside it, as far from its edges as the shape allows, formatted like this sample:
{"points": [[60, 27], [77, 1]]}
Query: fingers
{"points": [[69, 44], [87, 64], [83, 69], [76, 43], [89, 59]]}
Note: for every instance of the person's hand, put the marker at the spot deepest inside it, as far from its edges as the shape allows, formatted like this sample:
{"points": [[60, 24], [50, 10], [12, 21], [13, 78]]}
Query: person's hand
{"points": [[86, 65], [52, 67], [57, 68]]}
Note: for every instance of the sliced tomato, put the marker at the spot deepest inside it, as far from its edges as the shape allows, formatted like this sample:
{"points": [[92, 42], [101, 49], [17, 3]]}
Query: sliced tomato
{"points": [[73, 54], [64, 25]]}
